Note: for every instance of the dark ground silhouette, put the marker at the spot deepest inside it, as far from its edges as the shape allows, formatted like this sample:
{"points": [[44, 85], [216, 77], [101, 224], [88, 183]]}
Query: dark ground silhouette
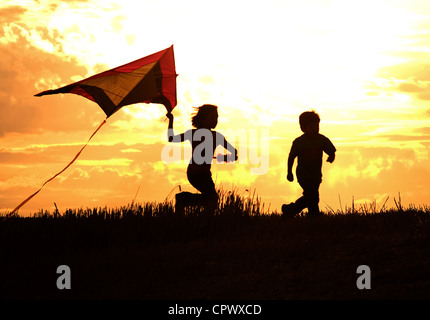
{"points": [[144, 254]]}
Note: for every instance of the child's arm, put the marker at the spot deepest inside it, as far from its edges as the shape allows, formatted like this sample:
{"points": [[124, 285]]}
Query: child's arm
{"points": [[221, 140], [229, 157], [329, 149], [291, 157], [232, 150], [171, 137], [290, 176], [331, 157]]}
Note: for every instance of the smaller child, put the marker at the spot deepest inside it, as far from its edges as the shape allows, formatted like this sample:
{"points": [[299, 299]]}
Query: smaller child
{"points": [[308, 148]]}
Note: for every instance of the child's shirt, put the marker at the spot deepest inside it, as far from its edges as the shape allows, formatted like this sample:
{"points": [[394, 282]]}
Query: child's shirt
{"points": [[203, 143], [309, 150]]}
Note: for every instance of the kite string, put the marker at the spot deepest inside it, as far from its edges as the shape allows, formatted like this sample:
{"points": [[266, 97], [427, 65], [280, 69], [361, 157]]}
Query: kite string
{"points": [[53, 177]]}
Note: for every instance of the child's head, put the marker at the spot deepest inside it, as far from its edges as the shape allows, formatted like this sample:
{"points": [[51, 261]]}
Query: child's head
{"points": [[206, 117], [309, 122]]}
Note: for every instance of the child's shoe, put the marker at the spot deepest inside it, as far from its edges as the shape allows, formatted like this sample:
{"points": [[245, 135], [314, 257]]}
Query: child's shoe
{"points": [[289, 210], [183, 200]]}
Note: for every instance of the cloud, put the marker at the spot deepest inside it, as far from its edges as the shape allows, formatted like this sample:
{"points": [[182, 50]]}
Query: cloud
{"points": [[26, 70], [365, 172], [411, 78], [11, 13], [101, 176]]}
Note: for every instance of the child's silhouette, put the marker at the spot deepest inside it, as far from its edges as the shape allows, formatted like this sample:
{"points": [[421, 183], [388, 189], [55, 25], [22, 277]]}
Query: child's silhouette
{"points": [[203, 142], [309, 149]]}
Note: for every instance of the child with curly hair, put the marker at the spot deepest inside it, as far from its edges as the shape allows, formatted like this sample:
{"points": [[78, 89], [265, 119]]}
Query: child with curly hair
{"points": [[203, 141]]}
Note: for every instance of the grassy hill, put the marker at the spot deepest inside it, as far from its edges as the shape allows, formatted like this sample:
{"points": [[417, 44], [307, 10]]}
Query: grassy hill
{"points": [[144, 251]]}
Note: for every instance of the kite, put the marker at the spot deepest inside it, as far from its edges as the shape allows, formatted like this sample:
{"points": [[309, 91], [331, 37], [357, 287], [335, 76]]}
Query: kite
{"points": [[151, 79]]}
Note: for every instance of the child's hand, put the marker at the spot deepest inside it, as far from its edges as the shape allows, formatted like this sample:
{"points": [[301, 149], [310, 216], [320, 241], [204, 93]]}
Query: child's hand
{"points": [[330, 158], [290, 177], [220, 157], [235, 155], [169, 116], [225, 158]]}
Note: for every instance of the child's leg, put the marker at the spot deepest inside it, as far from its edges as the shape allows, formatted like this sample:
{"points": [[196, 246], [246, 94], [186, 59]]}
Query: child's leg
{"points": [[310, 198], [204, 183], [313, 200]]}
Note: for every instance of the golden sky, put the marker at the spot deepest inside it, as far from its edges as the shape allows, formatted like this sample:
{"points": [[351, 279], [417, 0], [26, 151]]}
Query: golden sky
{"points": [[364, 66]]}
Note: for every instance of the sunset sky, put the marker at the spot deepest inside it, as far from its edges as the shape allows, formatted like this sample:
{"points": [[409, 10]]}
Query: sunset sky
{"points": [[364, 66]]}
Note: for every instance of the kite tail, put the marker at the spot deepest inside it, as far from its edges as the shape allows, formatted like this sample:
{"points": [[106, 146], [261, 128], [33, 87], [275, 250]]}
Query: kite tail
{"points": [[52, 178]]}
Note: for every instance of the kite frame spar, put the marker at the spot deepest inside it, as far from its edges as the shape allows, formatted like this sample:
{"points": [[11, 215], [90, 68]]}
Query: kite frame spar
{"points": [[151, 79]]}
